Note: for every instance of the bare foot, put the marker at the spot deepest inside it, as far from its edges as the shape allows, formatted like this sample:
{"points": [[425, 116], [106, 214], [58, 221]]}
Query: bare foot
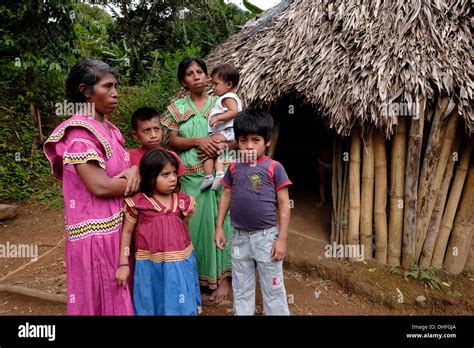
{"points": [[221, 292]]}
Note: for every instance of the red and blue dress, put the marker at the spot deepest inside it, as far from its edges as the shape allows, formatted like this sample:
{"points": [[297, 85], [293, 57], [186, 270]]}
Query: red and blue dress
{"points": [[166, 276]]}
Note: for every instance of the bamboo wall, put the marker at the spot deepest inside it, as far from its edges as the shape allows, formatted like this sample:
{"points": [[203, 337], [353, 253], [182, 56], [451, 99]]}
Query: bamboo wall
{"points": [[408, 200]]}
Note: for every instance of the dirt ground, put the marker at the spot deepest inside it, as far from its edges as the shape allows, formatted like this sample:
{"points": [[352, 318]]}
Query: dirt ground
{"points": [[341, 288]]}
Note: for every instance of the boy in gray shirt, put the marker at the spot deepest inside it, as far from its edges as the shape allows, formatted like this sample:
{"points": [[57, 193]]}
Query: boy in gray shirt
{"points": [[254, 193]]}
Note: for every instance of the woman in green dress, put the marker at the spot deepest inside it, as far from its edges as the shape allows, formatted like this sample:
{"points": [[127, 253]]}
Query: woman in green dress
{"points": [[187, 125]]}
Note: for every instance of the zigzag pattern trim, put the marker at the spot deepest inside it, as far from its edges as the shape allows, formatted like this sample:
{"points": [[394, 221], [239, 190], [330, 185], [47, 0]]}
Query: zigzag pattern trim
{"points": [[92, 227], [57, 136], [89, 155]]}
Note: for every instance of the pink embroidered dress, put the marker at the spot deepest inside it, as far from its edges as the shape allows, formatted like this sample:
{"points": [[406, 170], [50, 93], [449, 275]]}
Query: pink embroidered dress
{"points": [[93, 224]]}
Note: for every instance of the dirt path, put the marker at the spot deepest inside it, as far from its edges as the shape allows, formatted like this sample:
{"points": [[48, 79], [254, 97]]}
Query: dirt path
{"points": [[341, 289]]}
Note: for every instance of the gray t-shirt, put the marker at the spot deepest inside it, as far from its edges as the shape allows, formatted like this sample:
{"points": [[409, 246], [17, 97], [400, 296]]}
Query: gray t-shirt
{"points": [[254, 201]]}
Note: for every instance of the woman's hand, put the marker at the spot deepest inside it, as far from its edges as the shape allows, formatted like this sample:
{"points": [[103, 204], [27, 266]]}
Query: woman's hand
{"points": [[132, 175], [220, 145], [208, 148]]}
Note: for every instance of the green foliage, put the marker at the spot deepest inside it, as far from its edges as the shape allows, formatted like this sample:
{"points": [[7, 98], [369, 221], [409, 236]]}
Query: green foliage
{"points": [[49, 196], [91, 27], [207, 23], [23, 166], [454, 293], [41, 40], [171, 26], [156, 92], [395, 270], [428, 275], [252, 8]]}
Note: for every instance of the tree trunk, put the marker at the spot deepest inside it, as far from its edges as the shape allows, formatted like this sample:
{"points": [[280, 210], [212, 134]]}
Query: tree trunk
{"points": [[397, 186], [411, 185], [430, 162], [367, 195], [460, 241], [451, 207], [354, 191], [436, 216], [380, 201]]}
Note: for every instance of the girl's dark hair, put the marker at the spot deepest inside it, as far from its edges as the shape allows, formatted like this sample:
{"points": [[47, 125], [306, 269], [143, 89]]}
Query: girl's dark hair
{"points": [[228, 73], [250, 121], [186, 62], [88, 71], [151, 166]]}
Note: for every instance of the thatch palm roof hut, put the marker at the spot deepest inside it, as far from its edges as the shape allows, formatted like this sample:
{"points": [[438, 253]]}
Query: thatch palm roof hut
{"points": [[351, 58], [364, 66]]}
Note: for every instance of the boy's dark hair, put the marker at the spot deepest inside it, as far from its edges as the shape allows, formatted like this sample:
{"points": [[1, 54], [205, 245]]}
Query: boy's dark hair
{"points": [[228, 73], [250, 121], [88, 71], [151, 165], [142, 114], [186, 62]]}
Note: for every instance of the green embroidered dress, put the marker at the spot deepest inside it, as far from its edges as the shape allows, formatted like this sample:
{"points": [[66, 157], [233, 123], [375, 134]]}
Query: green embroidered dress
{"points": [[213, 264]]}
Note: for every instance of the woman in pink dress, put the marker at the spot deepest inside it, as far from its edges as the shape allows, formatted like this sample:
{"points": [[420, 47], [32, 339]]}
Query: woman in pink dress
{"points": [[87, 153]]}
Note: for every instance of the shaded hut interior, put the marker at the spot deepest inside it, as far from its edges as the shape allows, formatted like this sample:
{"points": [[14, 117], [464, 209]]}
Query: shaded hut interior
{"points": [[301, 131]]}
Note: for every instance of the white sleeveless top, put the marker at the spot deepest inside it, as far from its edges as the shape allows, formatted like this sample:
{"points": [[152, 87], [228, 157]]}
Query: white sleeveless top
{"points": [[220, 109]]}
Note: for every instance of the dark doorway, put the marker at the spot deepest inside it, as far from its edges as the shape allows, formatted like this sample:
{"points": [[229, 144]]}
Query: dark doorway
{"points": [[303, 138]]}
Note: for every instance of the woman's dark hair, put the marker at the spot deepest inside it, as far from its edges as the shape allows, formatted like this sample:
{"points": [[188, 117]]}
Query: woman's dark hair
{"points": [[151, 166], [227, 73], [88, 71], [186, 62], [250, 121]]}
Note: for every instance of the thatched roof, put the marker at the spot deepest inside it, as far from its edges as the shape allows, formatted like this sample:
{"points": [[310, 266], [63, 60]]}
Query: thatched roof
{"points": [[350, 58]]}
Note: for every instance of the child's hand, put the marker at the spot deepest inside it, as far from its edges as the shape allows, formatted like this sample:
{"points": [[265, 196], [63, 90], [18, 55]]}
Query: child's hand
{"points": [[219, 238], [214, 121], [279, 250], [122, 275]]}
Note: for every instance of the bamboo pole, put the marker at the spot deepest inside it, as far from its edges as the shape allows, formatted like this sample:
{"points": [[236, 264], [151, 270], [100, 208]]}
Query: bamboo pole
{"points": [[345, 213], [397, 186], [274, 140], [334, 193], [444, 157], [354, 190], [411, 185], [367, 195], [460, 240], [380, 199], [433, 226], [469, 267], [430, 162], [345, 195], [340, 197], [451, 206]]}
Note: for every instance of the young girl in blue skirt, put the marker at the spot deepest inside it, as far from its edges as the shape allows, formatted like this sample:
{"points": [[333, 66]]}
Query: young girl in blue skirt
{"points": [[166, 277]]}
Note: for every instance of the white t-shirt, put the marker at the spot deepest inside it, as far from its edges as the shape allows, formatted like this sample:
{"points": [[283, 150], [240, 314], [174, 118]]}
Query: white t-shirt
{"points": [[220, 109]]}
